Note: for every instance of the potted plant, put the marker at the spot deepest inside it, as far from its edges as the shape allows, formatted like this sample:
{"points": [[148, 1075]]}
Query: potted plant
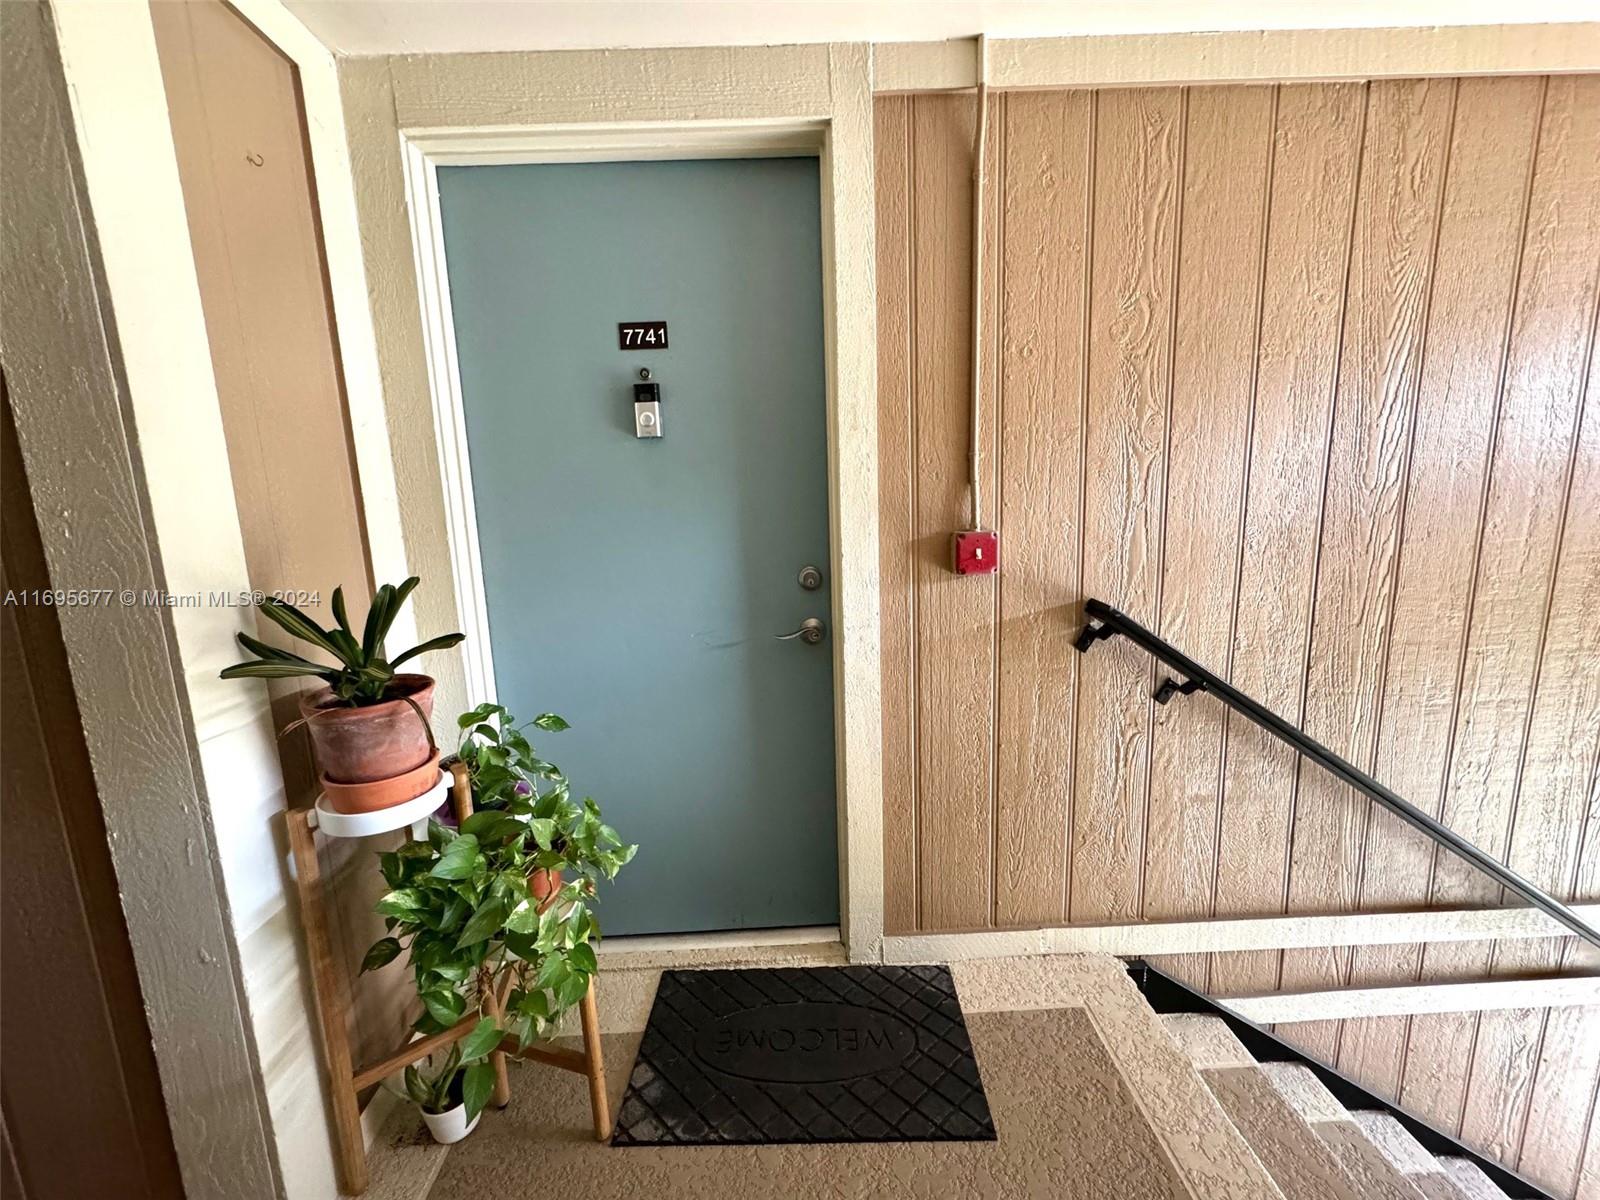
{"points": [[495, 917], [504, 769], [452, 1095], [369, 723]]}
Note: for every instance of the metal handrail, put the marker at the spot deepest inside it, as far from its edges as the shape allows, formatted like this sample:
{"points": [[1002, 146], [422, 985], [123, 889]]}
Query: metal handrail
{"points": [[1197, 679]]}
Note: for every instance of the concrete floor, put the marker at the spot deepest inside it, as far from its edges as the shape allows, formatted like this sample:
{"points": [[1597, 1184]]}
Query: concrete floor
{"points": [[1068, 1127], [1091, 1097]]}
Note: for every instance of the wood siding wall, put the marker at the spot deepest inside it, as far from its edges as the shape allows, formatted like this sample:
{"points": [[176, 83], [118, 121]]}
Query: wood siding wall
{"points": [[1300, 377]]}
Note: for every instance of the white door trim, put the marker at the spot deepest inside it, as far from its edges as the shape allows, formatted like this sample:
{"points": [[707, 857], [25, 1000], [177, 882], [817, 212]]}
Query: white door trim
{"points": [[449, 420], [853, 573]]}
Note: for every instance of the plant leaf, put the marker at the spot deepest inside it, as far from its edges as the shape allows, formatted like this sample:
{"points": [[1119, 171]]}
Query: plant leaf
{"points": [[370, 633], [477, 1084], [572, 989], [458, 859], [443, 642], [416, 1088], [349, 648], [524, 918], [485, 1036], [551, 971], [485, 922], [490, 825], [261, 650], [274, 669], [444, 1005], [295, 622], [551, 723], [380, 954], [477, 714], [394, 601], [543, 830], [582, 957], [339, 613], [404, 903]]}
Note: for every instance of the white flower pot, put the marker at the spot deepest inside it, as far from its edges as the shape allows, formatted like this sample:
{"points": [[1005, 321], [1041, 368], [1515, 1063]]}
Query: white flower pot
{"points": [[451, 1125]]}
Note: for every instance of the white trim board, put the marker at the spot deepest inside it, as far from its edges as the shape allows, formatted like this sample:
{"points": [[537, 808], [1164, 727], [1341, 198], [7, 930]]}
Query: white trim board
{"points": [[449, 417], [620, 951], [1142, 939], [633, 142], [1334, 1004], [1241, 56]]}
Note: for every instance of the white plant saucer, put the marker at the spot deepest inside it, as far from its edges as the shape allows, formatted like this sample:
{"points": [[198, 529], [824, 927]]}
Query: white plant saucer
{"points": [[413, 813]]}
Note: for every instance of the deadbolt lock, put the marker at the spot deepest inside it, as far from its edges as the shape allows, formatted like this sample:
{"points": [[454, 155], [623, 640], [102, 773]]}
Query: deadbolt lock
{"points": [[810, 578]]}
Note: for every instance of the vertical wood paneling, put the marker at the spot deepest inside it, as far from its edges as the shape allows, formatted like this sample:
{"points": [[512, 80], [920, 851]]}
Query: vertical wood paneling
{"points": [[1480, 235], [1316, 151], [1561, 1102], [1528, 495], [1296, 376], [1564, 726], [1586, 485], [1047, 173], [1138, 157], [1386, 312], [955, 615], [1227, 178], [1558, 754], [1589, 1170], [896, 511]]}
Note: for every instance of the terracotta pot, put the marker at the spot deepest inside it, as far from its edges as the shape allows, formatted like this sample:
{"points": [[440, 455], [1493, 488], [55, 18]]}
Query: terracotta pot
{"points": [[381, 793], [373, 742], [544, 885]]}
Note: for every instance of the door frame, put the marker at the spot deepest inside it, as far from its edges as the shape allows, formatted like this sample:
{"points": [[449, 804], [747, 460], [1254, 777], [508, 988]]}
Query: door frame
{"points": [[851, 428]]}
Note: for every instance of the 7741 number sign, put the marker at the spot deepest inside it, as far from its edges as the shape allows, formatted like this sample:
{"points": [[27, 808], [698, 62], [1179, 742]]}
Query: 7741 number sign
{"points": [[642, 335]]}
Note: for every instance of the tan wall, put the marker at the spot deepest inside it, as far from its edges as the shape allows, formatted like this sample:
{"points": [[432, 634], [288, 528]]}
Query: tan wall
{"points": [[1296, 376], [238, 130]]}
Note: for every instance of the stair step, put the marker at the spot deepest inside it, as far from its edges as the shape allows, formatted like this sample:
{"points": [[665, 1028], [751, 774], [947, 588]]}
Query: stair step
{"points": [[1374, 1177], [1207, 1041], [1470, 1180], [1407, 1155], [1299, 1162]]}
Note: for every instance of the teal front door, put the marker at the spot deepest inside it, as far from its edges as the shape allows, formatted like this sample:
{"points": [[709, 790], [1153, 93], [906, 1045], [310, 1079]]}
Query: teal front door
{"points": [[639, 586]]}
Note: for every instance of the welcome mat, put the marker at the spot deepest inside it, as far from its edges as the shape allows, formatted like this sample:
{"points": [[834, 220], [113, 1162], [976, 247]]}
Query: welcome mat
{"points": [[816, 1054]]}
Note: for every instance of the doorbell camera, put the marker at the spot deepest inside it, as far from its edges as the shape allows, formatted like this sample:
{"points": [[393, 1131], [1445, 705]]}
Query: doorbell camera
{"points": [[647, 410]]}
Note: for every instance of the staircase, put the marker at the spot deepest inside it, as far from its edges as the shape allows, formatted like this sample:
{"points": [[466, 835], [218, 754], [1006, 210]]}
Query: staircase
{"points": [[1375, 1152], [1313, 1146]]}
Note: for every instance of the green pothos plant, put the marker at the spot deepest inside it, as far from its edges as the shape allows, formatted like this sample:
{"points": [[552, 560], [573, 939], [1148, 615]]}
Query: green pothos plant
{"points": [[476, 910]]}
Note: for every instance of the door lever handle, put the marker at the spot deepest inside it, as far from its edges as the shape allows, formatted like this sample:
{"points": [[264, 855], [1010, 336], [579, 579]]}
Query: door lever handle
{"points": [[811, 631]]}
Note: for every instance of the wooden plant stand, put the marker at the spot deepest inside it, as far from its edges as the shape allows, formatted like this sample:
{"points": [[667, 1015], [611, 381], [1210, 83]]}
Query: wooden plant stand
{"points": [[331, 985]]}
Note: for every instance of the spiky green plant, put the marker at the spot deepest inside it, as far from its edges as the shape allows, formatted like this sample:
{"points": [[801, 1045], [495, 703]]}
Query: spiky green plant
{"points": [[464, 1075], [363, 674]]}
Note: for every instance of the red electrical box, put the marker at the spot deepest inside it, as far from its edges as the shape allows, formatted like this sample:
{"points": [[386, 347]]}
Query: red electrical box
{"points": [[975, 551]]}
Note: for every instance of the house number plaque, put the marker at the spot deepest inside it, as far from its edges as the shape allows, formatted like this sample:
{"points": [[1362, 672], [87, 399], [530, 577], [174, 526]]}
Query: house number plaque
{"points": [[642, 335]]}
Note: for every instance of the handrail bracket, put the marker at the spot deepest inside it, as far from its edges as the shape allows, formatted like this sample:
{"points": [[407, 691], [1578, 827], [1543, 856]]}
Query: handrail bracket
{"points": [[1170, 687]]}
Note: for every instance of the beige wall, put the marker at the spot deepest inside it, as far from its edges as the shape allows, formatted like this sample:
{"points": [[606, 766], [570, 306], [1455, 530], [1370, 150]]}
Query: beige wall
{"points": [[1296, 376], [237, 126], [109, 379]]}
